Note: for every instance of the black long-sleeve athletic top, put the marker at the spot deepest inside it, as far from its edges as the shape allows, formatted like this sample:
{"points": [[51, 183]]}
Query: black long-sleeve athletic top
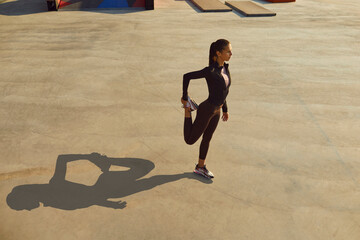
{"points": [[218, 90]]}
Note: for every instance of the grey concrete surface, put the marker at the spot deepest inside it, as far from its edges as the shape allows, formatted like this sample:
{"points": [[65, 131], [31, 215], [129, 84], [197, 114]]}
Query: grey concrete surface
{"points": [[286, 164]]}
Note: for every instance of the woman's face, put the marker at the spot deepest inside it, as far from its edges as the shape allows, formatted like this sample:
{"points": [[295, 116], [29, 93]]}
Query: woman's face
{"points": [[225, 54]]}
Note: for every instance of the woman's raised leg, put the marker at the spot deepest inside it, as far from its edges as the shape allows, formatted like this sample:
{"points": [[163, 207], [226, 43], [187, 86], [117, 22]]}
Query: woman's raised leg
{"points": [[193, 131]]}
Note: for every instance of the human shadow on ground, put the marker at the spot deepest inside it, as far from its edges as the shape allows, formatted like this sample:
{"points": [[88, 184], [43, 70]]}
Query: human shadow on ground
{"points": [[66, 195]]}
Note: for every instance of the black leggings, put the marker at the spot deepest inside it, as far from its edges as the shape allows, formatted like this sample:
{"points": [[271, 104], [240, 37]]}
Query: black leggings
{"points": [[206, 121]]}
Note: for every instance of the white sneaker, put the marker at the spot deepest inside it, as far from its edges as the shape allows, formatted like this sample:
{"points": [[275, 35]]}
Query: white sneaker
{"points": [[191, 104], [203, 172]]}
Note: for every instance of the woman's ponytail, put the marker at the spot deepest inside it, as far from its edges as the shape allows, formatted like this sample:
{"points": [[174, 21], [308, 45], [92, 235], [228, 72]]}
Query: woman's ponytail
{"points": [[212, 53]]}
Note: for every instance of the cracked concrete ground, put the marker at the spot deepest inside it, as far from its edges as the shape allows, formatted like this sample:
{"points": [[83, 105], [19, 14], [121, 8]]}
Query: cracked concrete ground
{"points": [[78, 85]]}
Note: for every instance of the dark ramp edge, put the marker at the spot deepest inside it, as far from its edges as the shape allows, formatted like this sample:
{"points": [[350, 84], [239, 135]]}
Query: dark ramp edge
{"points": [[211, 6], [250, 9], [280, 1]]}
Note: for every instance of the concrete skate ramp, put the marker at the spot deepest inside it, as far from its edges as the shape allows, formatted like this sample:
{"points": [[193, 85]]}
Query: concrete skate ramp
{"points": [[250, 9], [22, 7], [280, 1], [211, 6], [90, 4]]}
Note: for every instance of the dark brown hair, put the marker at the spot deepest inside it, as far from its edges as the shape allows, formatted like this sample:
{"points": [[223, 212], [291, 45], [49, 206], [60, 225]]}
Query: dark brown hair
{"points": [[219, 45]]}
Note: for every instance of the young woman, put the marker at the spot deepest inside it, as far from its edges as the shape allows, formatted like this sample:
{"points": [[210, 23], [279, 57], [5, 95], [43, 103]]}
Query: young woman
{"points": [[218, 80]]}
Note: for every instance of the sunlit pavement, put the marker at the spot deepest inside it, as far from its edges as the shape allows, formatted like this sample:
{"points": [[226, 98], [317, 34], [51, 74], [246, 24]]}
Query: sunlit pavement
{"points": [[87, 95]]}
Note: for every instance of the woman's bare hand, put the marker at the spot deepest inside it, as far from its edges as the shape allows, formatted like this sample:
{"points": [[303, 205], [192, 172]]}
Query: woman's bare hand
{"points": [[225, 116]]}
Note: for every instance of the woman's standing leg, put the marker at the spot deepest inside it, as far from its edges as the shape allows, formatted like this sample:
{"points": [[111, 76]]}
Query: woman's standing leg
{"points": [[208, 133]]}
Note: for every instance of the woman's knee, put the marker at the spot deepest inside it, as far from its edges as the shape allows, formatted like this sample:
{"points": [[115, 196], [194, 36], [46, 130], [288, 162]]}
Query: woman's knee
{"points": [[190, 141]]}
